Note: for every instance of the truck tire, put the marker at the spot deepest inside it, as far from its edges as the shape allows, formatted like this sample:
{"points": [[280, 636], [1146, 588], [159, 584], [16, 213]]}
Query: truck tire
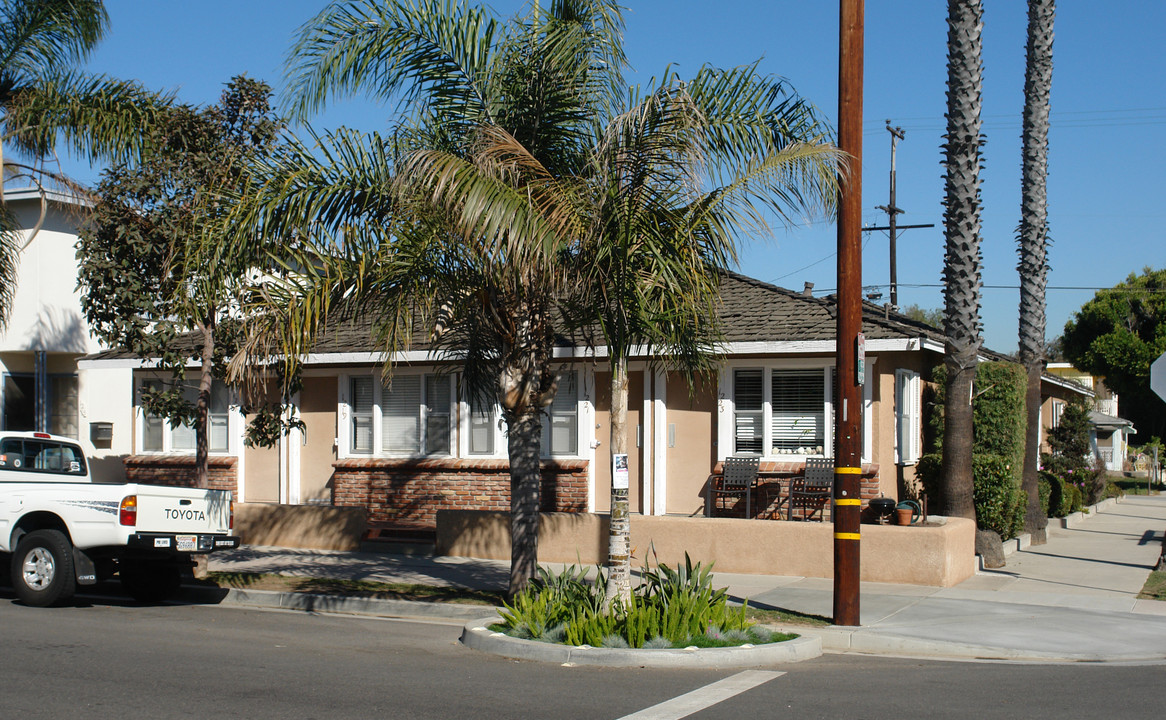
{"points": [[42, 568], [149, 581]]}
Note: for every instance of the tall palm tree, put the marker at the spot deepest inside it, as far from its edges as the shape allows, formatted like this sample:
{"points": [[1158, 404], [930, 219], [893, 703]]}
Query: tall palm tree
{"points": [[482, 276], [44, 99], [1033, 242], [528, 196], [961, 273], [676, 178]]}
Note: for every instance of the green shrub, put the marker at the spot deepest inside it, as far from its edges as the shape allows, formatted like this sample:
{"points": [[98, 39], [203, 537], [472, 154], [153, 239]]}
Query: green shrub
{"points": [[997, 448], [677, 604], [999, 500]]}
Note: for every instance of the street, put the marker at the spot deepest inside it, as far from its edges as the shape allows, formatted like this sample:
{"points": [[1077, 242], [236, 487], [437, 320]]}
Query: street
{"points": [[106, 658]]}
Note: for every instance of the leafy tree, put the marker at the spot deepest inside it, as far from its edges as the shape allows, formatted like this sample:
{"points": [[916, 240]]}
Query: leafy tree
{"points": [[1033, 241], [1117, 335], [927, 316], [45, 98], [154, 261], [525, 196], [961, 271]]}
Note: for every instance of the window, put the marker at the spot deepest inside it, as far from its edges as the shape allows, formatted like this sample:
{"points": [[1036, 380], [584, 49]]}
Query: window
{"points": [[159, 436], [781, 411], [749, 408], [560, 433], [481, 433], [410, 415], [908, 417], [49, 406], [39, 455], [799, 411]]}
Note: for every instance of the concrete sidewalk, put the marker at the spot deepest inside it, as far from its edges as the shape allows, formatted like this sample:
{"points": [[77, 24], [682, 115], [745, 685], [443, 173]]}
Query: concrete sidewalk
{"points": [[1073, 599]]}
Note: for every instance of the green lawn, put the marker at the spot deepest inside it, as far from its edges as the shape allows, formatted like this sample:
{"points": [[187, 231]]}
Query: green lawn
{"points": [[1155, 587]]}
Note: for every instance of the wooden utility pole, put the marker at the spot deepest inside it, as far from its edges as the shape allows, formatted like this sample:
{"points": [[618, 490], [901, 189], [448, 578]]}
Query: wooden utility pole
{"points": [[850, 366]]}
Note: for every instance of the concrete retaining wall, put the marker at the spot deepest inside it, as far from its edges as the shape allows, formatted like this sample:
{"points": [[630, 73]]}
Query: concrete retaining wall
{"points": [[937, 555], [313, 527]]}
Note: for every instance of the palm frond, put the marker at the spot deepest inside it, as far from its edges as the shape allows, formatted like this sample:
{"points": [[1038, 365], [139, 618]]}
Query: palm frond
{"points": [[97, 117], [38, 37], [395, 51]]}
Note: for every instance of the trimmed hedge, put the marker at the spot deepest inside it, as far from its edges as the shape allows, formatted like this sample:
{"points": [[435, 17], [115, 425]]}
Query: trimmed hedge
{"points": [[998, 418]]}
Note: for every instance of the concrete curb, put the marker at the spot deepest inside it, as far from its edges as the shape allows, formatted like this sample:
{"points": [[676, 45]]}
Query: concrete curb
{"points": [[843, 640], [309, 602], [477, 635]]}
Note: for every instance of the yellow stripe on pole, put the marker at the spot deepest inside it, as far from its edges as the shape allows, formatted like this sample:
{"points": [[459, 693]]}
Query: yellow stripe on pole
{"points": [[848, 501], [847, 471], [845, 536]]}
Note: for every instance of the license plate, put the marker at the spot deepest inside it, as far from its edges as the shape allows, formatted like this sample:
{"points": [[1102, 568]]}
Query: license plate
{"points": [[186, 543]]}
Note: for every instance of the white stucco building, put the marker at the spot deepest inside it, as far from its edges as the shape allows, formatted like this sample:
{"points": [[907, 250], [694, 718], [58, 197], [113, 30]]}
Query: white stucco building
{"points": [[43, 389]]}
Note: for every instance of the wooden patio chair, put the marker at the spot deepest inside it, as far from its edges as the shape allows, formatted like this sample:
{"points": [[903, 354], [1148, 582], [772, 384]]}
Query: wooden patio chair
{"points": [[811, 491], [738, 478]]}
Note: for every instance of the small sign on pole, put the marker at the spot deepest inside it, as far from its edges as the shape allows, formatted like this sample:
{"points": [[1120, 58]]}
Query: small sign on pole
{"points": [[619, 472], [860, 363]]}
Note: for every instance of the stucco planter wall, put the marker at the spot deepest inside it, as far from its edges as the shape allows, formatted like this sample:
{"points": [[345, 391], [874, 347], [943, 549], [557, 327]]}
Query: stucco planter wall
{"points": [[313, 527], [942, 554]]}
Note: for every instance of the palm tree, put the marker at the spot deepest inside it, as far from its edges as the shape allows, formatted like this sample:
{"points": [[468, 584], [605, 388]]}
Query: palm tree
{"points": [[961, 273], [527, 196], [482, 277], [45, 99], [1033, 242], [675, 179]]}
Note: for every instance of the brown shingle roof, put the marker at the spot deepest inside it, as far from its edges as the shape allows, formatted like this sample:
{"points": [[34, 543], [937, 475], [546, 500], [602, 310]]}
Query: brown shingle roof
{"points": [[751, 311]]}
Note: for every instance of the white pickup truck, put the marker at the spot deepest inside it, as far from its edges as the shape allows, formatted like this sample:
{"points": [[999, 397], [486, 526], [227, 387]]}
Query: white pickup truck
{"points": [[63, 529]]}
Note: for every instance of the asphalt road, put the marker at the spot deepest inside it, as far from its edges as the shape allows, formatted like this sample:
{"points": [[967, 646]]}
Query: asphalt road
{"points": [[109, 659]]}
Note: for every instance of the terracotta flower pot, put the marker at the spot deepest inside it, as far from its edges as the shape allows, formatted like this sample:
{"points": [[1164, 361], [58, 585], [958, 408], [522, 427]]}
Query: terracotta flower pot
{"points": [[904, 515]]}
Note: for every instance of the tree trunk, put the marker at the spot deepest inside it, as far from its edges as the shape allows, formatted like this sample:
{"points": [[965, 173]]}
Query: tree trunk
{"points": [[961, 272], [205, 383], [524, 441], [1036, 517], [619, 580], [1033, 242], [958, 489]]}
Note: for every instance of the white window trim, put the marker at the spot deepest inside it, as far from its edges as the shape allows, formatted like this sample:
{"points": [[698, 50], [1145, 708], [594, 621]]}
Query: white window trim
{"points": [[726, 409], [344, 416], [583, 446], [908, 416], [235, 426]]}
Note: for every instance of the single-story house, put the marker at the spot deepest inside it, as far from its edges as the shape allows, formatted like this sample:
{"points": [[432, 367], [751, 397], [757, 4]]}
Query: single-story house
{"points": [[407, 449]]}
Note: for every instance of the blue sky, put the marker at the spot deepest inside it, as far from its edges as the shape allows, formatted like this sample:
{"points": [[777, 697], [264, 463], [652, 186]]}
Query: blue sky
{"points": [[1106, 146]]}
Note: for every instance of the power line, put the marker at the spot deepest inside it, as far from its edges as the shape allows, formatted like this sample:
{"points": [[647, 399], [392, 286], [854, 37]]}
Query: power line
{"points": [[1151, 291]]}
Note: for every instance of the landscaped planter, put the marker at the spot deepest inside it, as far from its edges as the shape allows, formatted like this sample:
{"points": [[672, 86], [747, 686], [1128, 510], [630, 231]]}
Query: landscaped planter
{"points": [[477, 635]]}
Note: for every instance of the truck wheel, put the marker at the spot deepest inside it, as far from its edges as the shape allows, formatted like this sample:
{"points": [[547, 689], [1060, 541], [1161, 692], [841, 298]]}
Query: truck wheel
{"points": [[149, 582], [42, 568]]}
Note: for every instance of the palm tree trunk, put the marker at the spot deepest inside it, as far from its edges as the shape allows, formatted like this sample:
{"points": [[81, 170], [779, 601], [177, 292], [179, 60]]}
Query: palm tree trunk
{"points": [[961, 271], [619, 583], [1033, 237], [205, 382], [524, 440]]}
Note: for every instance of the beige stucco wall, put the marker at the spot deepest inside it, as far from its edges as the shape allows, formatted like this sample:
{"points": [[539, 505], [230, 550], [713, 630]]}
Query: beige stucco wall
{"points": [[940, 555], [318, 412], [603, 435], [692, 458], [300, 526]]}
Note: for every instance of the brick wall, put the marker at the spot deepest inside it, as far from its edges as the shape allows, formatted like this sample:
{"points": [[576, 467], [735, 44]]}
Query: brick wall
{"points": [[406, 491], [179, 471]]}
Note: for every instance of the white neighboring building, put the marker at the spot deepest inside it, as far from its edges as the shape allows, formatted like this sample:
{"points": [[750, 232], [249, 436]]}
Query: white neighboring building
{"points": [[43, 389]]}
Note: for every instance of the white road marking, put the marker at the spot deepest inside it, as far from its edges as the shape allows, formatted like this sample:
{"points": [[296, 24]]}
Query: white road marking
{"points": [[705, 697]]}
